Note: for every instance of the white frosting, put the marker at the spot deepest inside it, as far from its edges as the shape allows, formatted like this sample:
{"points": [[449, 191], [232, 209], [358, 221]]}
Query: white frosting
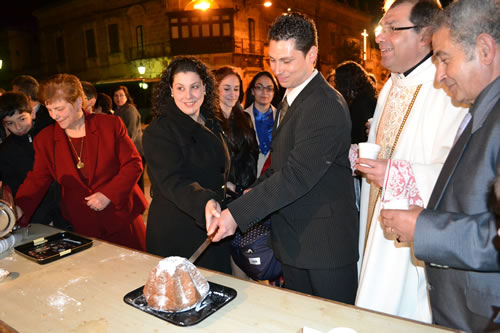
{"points": [[163, 274]]}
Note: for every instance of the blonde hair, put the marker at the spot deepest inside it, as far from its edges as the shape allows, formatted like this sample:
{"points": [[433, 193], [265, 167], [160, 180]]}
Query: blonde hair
{"points": [[61, 87]]}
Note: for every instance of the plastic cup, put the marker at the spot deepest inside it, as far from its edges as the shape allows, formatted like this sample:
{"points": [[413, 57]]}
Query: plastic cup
{"points": [[368, 150], [342, 330]]}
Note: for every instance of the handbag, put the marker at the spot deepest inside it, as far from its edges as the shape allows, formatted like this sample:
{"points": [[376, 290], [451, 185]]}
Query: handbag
{"points": [[251, 252]]}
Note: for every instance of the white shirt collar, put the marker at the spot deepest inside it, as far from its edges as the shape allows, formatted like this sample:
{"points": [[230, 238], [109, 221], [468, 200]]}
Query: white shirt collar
{"points": [[291, 94]]}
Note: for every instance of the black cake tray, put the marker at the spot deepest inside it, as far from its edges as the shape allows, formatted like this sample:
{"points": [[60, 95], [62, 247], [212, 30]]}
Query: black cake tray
{"points": [[47, 249], [217, 297]]}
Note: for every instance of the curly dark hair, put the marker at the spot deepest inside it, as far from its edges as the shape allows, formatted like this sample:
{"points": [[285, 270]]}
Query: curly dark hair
{"points": [[162, 92], [250, 98], [351, 79], [297, 26]]}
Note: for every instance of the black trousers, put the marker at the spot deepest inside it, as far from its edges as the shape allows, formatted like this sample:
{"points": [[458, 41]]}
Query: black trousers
{"points": [[338, 284]]}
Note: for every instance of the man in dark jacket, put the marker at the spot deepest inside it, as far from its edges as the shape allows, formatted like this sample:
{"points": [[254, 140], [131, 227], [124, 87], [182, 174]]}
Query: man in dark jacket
{"points": [[308, 189]]}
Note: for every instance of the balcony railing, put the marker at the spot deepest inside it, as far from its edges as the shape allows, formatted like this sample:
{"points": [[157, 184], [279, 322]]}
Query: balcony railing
{"points": [[150, 51]]}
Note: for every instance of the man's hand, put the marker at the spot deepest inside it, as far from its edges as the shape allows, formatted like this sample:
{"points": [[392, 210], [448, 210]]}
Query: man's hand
{"points": [[97, 201], [401, 222], [226, 224], [374, 172], [212, 210]]}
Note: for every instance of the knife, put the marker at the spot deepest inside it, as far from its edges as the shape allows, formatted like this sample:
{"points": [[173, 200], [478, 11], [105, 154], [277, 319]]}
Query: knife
{"points": [[202, 247]]}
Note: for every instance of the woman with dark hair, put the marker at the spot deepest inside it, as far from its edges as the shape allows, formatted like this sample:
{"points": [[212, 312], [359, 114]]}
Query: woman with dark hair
{"points": [[127, 111], [354, 83], [238, 129], [94, 161], [261, 94], [188, 163]]}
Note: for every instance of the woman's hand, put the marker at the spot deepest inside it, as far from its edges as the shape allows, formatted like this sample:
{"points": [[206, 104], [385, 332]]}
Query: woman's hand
{"points": [[212, 211], [97, 201], [19, 212]]}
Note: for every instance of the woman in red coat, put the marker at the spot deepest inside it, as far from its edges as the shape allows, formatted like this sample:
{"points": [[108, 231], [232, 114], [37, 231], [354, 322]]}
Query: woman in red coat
{"points": [[95, 163]]}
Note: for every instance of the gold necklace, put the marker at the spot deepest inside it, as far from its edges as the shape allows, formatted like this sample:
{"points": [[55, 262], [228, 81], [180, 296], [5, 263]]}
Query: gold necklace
{"points": [[79, 164]]}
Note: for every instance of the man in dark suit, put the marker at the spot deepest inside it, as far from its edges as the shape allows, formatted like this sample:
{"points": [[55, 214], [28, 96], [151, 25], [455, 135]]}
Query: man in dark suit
{"points": [[455, 235], [29, 85], [308, 189]]}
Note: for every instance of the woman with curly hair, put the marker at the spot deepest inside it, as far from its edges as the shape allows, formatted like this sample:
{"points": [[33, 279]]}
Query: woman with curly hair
{"points": [[188, 163], [358, 89], [238, 129]]}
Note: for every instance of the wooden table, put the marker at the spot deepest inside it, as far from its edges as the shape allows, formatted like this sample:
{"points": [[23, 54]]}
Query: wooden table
{"points": [[84, 293]]}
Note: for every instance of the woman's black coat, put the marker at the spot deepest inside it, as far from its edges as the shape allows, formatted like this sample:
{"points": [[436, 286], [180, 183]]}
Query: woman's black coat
{"points": [[188, 164]]}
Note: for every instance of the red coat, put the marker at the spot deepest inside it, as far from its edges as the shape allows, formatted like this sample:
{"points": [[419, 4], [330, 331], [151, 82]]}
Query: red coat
{"points": [[114, 166]]}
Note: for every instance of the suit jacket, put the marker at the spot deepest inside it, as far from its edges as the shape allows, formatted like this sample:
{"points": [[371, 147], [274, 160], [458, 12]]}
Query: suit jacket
{"points": [[114, 166], [188, 165], [308, 188], [456, 234]]}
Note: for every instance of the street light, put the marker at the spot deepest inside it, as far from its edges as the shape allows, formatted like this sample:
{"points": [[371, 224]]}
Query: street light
{"points": [[141, 68], [202, 5], [1, 62]]}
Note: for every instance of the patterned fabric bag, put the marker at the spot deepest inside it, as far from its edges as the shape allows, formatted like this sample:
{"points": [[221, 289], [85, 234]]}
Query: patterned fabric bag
{"points": [[252, 254]]}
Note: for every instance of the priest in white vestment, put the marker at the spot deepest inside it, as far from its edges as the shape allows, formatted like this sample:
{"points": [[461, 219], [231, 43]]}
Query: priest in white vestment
{"points": [[415, 122]]}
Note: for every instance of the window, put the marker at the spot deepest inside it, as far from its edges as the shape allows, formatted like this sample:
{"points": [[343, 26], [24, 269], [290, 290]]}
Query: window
{"points": [[197, 32], [91, 48], [60, 49], [192, 26], [114, 41], [251, 29]]}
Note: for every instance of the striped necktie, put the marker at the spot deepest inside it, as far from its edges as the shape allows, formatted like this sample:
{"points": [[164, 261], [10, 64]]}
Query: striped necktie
{"points": [[283, 108]]}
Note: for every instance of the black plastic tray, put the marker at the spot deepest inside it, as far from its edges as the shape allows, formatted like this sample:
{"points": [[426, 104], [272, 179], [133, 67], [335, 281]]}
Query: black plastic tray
{"points": [[217, 297], [47, 249]]}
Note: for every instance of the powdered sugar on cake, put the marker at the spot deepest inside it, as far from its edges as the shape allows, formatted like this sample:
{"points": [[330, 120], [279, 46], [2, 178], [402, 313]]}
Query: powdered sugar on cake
{"points": [[175, 284]]}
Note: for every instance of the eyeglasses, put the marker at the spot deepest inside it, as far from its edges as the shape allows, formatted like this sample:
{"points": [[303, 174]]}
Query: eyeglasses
{"points": [[261, 88], [389, 29]]}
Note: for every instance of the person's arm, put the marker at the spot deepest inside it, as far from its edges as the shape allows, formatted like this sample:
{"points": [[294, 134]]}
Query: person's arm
{"points": [[458, 240], [166, 169], [37, 182], [119, 187]]}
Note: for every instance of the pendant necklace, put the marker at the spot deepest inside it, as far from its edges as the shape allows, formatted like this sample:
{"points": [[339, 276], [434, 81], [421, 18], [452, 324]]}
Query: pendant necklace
{"points": [[79, 164]]}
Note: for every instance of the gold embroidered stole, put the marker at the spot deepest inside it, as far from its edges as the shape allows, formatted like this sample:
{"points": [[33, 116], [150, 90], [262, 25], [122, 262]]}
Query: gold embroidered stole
{"points": [[389, 129]]}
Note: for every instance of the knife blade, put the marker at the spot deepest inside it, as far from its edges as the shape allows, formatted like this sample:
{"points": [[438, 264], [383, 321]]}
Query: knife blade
{"points": [[202, 247]]}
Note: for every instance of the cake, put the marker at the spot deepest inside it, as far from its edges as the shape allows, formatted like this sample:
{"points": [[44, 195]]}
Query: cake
{"points": [[175, 285]]}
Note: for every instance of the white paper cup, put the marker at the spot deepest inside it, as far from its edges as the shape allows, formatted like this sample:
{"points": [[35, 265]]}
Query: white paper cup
{"points": [[368, 150], [401, 204]]}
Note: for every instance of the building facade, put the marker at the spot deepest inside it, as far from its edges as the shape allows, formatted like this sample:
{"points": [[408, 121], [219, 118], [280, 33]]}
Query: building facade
{"points": [[105, 42]]}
